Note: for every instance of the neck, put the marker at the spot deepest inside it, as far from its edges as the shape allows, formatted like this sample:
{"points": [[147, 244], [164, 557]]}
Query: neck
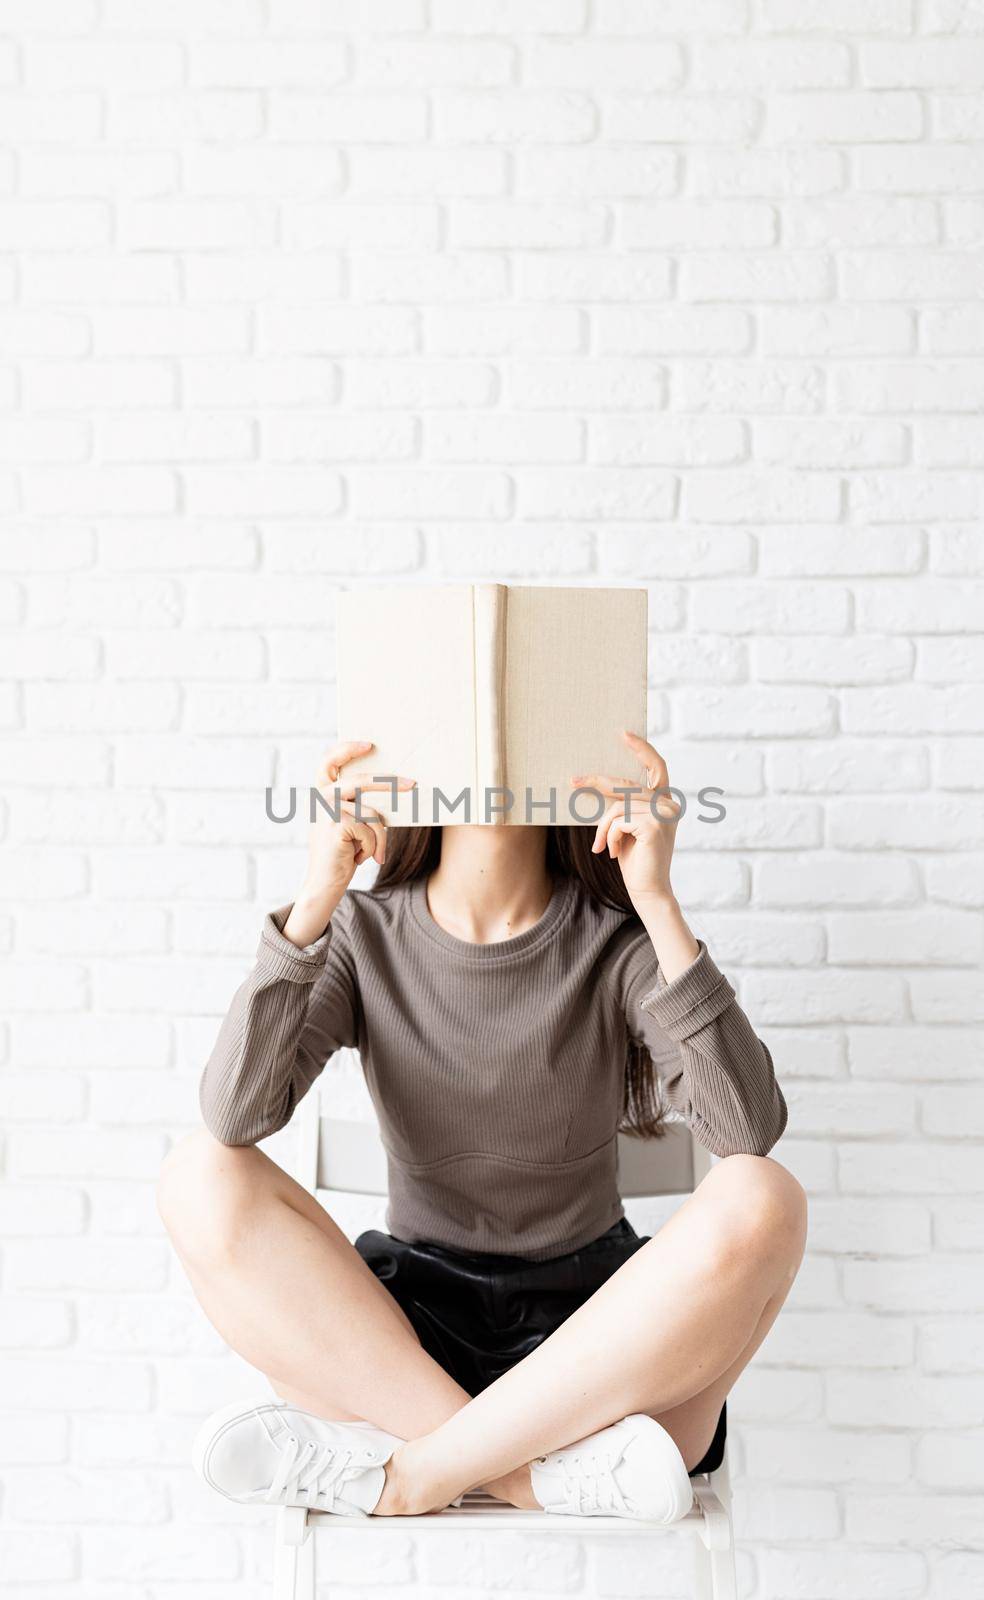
{"points": [[490, 883]]}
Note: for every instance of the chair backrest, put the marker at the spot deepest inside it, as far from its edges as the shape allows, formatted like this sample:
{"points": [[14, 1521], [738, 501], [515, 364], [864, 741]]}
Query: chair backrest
{"points": [[348, 1157]]}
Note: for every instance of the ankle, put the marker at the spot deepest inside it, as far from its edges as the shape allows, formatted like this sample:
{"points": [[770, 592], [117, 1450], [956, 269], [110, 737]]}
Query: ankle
{"points": [[516, 1489]]}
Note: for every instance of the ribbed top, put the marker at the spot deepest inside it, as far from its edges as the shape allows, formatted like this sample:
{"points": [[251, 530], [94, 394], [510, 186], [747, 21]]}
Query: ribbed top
{"points": [[496, 1070]]}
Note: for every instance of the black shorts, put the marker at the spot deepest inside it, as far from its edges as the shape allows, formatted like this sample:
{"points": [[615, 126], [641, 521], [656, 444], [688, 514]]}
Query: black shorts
{"points": [[479, 1314]]}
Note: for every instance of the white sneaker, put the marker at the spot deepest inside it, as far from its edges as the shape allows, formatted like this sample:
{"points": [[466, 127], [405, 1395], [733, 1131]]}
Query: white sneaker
{"points": [[273, 1453], [632, 1469]]}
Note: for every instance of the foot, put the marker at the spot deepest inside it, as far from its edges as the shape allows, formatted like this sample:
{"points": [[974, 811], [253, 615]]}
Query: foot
{"points": [[632, 1469], [275, 1454]]}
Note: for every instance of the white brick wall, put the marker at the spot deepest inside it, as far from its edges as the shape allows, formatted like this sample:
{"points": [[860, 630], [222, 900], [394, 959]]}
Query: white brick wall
{"points": [[301, 292]]}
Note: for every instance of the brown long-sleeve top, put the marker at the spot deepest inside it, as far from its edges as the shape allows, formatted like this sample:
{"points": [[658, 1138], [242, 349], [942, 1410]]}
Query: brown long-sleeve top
{"points": [[496, 1070]]}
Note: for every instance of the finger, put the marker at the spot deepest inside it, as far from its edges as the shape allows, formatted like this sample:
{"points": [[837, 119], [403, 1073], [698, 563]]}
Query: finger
{"points": [[363, 783], [618, 831], [338, 755], [604, 824], [606, 784], [657, 776], [369, 839]]}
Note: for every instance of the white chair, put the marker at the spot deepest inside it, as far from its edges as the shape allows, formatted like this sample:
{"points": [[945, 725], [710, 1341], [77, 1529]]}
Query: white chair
{"points": [[347, 1157]]}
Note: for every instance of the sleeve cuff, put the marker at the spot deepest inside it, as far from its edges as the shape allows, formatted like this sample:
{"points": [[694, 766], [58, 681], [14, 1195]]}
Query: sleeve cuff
{"points": [[697, 997], [282, 959]]}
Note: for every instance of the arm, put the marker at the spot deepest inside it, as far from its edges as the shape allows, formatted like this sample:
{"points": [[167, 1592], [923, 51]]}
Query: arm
{"points": [[713, 1069], [712, 1066], [300, 1002], [294, 1010]]}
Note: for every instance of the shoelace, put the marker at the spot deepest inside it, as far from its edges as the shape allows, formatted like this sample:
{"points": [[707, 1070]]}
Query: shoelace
{"points": [[309, 1470], [589, 1490]]}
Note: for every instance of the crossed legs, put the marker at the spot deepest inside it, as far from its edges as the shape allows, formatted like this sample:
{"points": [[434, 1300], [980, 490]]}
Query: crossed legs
{"points": [[667, 1334]]}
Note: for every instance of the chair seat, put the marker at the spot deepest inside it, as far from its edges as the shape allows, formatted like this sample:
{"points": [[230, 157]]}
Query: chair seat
{"points": [[478, 1511]]}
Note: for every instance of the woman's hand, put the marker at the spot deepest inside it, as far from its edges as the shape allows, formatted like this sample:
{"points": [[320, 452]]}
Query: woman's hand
{"points": [[336, 848], [638, 830]]}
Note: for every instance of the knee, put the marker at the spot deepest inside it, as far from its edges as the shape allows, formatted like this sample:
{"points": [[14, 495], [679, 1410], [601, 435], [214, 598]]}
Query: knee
{"points": [[204, 1191], [763, 1206]]}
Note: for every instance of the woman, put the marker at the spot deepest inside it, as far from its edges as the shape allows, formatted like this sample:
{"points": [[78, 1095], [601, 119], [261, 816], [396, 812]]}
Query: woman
{"points": [[517, 994]]}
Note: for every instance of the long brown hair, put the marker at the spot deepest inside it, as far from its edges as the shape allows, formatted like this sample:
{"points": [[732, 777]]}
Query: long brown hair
{"points": [[415, 852]]}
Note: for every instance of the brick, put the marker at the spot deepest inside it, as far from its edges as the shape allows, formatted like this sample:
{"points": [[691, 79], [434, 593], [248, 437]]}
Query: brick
{"points": [[620, 385], [907, 938], [167, 1554], [838, 1339], [514, 117], [573, 276], [667, 441], [39, 1211], [749, 387], [920, 708], [822, 16], [834, 660], [949, 1461], [948, 880], [869, 824], [681, 118], [776, 496], [394, 278], [844, 117], [368, 225], [52, 1385], [697, 225], [911, 169], [912, 1285], [829, 444], [595, 172], [908, 1169], [756, 278], [596, 492], [344, 116], [873, 1228], [482, 438], [41, 1324], [826, 1455], [25, 1558], [426, 173], [915, 1053], [856, 1574], [526, 225], [912, 1519], [836, 552], [960, 762], [107, 1266], [953, 443], [503, 330], [673, 553], [771, 64], [950, 1344], [839, 331], [678, 332], [763, 608], [840, 997], [936, 607], [752, 713], [509, 552], [601, 64], [267, 63], [928, 63], [851, 1109], [682, 660], [175, 874]]}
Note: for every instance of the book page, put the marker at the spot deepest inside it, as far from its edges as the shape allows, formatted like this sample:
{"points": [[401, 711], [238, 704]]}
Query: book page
{"points": [[576, 673], [406, 679]]}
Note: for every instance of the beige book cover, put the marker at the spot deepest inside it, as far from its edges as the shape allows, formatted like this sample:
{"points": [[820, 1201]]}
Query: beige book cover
{"points": [[498, 693]]}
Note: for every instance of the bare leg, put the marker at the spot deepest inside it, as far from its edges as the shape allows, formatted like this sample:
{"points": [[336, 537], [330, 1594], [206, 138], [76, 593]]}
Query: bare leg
{"points": [[667, 1334], [285, 1288]]}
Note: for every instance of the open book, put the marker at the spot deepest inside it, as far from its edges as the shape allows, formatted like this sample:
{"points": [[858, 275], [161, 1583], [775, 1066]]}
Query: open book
{"points": [[492, 691]]}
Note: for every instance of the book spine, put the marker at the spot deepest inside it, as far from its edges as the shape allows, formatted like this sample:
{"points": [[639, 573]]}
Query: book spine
{"points": [[490, 601]]}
